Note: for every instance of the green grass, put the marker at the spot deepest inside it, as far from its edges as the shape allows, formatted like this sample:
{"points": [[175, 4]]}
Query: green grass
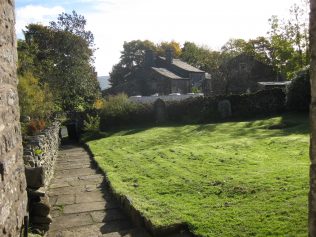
{"points": [[229, 179]]}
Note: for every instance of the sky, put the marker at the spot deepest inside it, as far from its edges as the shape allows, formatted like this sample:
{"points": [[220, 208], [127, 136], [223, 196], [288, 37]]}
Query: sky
{"points": [[208, 23]]}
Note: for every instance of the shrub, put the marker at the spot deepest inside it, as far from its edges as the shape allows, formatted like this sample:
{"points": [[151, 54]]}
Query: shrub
{"points": [[119, 111], [91, 123], [35, 126], [36, 100], [298, 95]]}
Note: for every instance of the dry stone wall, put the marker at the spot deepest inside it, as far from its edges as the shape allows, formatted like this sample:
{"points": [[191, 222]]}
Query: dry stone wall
{"points": [[13, 198], [40, 153]]}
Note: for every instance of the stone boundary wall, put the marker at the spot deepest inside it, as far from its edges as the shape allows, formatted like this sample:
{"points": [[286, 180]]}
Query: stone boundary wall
{"points": [[40, 153], [165, 98], [13, 198]]}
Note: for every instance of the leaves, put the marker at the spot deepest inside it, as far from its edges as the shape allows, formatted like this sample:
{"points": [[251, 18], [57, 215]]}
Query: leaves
{"points": [[61, 56]]}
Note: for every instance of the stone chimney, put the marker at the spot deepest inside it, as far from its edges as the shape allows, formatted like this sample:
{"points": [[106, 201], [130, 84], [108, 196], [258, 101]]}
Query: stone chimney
{"points": [[149, 60], [169, 56]]}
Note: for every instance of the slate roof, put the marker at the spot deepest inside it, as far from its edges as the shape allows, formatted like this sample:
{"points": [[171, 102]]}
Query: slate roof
{"points": [[166, 73], [183, 65]]}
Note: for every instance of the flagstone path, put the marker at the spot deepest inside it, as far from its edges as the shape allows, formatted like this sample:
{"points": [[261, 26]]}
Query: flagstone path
{"points": [[81, 204]]}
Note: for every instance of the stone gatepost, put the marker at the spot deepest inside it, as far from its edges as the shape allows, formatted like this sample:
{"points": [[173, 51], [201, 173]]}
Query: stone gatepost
{"points": [[312, 193], [13, 198]]}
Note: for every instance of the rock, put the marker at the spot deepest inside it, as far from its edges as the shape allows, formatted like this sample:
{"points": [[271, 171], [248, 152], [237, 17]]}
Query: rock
{"points": [[41, 208], [34, 177], [36, 192]]}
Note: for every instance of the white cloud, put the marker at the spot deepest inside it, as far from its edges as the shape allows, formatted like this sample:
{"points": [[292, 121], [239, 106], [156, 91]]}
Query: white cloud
{"points": [[35, 14]]}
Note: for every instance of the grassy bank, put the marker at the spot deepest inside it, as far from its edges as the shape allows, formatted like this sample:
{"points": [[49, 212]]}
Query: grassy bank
{"points": [[230, 179]]}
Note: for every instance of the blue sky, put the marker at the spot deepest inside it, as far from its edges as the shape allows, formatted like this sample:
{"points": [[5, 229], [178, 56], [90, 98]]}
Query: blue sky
{"points": [[206, 22]]}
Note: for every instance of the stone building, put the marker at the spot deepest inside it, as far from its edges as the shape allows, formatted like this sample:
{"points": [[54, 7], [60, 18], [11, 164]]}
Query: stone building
{"points": [[241, 74], [163, 76], [13, 198]]}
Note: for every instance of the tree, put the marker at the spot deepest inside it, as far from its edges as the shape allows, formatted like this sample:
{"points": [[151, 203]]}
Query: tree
{"points": [[74, 24], [175, 46], [201, 57], [289, 41], [62, 59], [132, 57]]}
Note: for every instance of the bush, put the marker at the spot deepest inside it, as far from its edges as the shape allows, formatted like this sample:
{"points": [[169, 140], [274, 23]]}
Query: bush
{"points": [[36, 100], [91, 123], [118, 111], [263, 103], [35, 126], [298, 94]]}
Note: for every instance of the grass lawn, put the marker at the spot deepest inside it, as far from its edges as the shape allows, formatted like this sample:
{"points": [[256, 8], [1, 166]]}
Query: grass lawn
{"points": [[229, 179]]}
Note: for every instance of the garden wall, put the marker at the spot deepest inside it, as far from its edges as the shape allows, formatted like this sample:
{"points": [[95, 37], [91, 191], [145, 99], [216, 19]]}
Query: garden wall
{"points": [[166, 98], [13, 198], [40, 154]]}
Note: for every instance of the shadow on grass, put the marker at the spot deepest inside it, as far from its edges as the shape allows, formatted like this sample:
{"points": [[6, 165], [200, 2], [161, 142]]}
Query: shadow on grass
{"points": [[260, 127]]}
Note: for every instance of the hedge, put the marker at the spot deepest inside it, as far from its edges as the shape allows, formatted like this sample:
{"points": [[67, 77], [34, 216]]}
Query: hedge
{"points": [[197, 110]]}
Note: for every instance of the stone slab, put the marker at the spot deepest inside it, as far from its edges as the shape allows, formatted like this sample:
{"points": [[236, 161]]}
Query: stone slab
{"points": [[90, 197], [66, 190], [66, 199], [74, 172], [67, 221], [85, 207], [109, 215]]}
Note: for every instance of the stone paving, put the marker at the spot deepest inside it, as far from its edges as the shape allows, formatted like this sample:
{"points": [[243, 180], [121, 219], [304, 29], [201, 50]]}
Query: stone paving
{"points": [[81, 204]]}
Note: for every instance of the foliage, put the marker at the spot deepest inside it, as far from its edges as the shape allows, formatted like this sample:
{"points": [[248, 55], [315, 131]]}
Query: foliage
{"points": [[36, 100], [201, 57], [91, 123], [98, 104], [228, 179], [35, 126], [175, 46], [289, 41], [118, 111], [74, 24], [61, 56], [298, 94], [132, 56]]}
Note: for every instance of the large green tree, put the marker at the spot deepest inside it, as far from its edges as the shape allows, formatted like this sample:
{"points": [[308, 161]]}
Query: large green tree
{"points": [[62, 57]]}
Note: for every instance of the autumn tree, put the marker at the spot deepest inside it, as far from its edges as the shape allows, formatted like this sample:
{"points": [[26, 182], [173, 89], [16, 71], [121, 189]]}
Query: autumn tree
{"points": [[173, 45]]}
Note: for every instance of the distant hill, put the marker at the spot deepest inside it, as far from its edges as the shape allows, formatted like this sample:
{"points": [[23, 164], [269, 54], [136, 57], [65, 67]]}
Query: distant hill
{"points": [[104, 82]]}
